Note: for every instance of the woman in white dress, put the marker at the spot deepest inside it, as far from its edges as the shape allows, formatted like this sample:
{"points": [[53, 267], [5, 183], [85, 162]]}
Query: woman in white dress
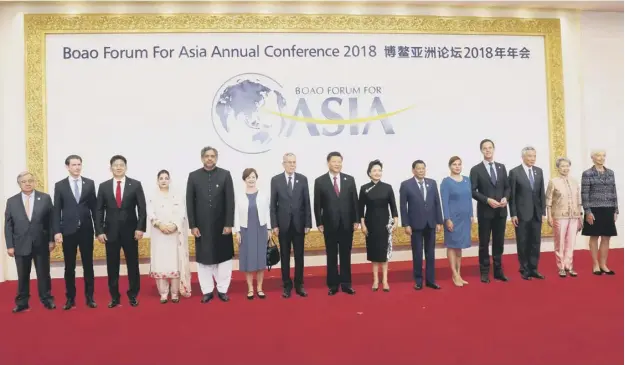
{"points": [[169, 247]]}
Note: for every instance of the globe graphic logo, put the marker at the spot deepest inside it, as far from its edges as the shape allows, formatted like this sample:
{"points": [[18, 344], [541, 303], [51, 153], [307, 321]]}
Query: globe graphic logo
{"points": [[242, 112]]}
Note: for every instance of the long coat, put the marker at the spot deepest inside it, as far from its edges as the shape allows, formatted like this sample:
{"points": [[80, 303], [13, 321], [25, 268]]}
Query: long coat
{"points": [[210, 208]]}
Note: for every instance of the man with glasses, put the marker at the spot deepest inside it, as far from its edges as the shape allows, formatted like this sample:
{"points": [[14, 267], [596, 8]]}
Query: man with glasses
{"points": [[29, 237], [291, 220]]}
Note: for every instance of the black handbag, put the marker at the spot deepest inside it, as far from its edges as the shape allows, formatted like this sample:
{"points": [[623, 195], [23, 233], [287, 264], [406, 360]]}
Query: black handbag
{"points": [[273, 253]]}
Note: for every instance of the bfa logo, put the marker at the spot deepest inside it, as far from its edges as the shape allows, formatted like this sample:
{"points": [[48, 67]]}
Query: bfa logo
{"points": [[249, 113]]}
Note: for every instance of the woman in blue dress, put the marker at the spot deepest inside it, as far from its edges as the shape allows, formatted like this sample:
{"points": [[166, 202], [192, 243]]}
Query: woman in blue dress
{"points": [[458, 216]]}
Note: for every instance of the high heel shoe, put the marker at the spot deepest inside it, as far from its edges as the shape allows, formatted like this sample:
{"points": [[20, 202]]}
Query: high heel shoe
{"points": [[375, 287], [386, 288], [250, 295], [607, 272]]}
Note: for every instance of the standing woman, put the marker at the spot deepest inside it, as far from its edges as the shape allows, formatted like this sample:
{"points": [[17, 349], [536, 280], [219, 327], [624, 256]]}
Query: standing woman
{"points": [[600, 211], [458, 215], [252, 225], [375, 200], [169, 241], [564, 207]]}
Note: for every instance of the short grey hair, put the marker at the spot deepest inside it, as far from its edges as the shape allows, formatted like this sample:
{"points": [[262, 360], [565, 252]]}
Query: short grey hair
{"points": [[23, 174], [209, 148], [526, 150], [287, 155], [595, 152], [562, 159]]}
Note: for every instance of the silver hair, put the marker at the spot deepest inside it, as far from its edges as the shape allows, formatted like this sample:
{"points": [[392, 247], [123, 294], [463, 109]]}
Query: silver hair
{"points": [[287, 155], [562, 159], [526, 150], [209, 148], [595, 152], [23, 174]]}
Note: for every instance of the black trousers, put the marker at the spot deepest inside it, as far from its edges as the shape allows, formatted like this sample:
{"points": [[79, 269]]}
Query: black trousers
{"points": [[497, 227], [528, 245], [83, 240], [131, 253], [339, 242], [42, 267], [423, 240], [291, 238]]}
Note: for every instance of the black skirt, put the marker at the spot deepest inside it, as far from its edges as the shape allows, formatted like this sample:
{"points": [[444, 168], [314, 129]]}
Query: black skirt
{"points": [[604, 224]]}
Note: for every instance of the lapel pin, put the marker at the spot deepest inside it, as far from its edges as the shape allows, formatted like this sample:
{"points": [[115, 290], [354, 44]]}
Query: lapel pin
{"points": [[427, 186], [217, 185], [345, 178], [296, 181], [38, 198], [129, 184]]}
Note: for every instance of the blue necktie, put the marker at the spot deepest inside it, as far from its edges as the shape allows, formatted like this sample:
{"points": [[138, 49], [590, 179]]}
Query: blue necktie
{"points": [[531, 178], [493, 177], [76, 191]]}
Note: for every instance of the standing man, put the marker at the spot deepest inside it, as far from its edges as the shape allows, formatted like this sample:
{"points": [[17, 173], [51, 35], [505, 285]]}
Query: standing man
{"points": [[291, 221], [491, 188], [336, 213], [120, 224], [28, 233], [74, 210], [421, 217], [527, 208], [210, 208]]}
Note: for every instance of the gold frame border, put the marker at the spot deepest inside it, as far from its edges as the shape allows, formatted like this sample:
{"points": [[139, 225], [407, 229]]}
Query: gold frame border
{"points": [[37, 26]]}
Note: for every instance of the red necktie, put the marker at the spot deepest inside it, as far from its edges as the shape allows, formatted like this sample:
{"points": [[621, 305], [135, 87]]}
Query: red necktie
{"points": [[336, 187], [118, 194]]}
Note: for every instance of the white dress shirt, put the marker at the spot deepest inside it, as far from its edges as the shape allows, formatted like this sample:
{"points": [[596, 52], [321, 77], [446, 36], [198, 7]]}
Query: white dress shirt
{"points": [[31, 201], [487, 164], [123, 185], [338, 180], [425, 188], [73, 186]]}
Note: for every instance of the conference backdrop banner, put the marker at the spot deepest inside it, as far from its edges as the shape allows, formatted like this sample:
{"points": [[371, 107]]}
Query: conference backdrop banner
{"points": [[158, 92]]}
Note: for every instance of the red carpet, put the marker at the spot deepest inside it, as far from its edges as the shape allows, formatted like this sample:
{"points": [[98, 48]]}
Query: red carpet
{"points": [[555, 321]]}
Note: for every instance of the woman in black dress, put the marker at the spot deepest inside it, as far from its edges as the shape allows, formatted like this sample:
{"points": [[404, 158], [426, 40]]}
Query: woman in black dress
{"points": [[375, 200], [600, 204]]}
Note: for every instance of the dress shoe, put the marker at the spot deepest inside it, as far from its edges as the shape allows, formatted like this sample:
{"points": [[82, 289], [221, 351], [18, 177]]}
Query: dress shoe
{"points": [[301, 292], [49, 304], [223, 296], [21, 308], [114, 303], [418, 286], [484, 278], [608, 272], [91, 303], [432, 286], [286, 293], [537, 275], [332, 291], [526, 276], [349, 290], [501, 277], [207, 298], [69, 304], [133, 301]]}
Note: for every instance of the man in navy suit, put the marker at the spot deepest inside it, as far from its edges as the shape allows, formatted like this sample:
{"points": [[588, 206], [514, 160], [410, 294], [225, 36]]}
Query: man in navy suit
{"points": [[421, 218], [74, 211]]}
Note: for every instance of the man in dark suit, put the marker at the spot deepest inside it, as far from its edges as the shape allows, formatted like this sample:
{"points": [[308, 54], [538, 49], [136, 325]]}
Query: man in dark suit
{"points": [[421, 217], [28, 233], [291, 220], [74, 210], [120, 223], [336, 213], [527, 208], [491, 188]]}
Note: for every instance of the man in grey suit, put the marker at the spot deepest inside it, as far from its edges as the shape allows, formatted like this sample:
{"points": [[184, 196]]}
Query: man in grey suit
{"points": [[291, 220], [527, 208], [29, 237]]}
